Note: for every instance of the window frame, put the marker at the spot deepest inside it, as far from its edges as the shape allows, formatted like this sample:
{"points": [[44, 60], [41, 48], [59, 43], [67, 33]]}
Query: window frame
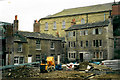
{"points": [[54, 25], [63, 24], [82, 21], [72, 55], [46, 26], [52, 45], [20, 47], [87, 43], [38, 43], [16, 60], [37, 58], [20, 60]]}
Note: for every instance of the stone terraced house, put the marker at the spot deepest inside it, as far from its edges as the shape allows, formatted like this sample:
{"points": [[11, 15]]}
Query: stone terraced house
{"points": [[33, 46]]}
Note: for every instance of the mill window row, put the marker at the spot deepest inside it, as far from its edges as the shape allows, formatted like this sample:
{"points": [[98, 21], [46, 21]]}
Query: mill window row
{"points": [[85, 32], [95, 43], [55, 25]]}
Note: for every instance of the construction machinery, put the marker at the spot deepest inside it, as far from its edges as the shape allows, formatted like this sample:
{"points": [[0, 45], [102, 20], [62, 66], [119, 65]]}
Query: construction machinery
{"points": [[47, 65]]}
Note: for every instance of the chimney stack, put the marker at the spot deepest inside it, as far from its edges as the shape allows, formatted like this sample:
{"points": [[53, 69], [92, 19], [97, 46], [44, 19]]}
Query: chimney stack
{"points": [[16, 24], [36, 26], [73, 22], [116, 9]]}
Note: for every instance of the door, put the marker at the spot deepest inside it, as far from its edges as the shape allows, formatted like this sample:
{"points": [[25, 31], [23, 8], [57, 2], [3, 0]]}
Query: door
{"points": [[81, 57], [29, 59]]}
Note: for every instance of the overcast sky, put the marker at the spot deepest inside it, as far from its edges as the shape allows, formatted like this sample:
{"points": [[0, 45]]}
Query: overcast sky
{"points": [[30, 10]]}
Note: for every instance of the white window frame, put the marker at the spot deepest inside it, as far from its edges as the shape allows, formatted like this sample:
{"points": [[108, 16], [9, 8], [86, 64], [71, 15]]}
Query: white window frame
{"points": [[99, 31], [16, 60], [38, 44], [86, 32], [46, 26], [54, 25], [19, 47], [94, 31]]}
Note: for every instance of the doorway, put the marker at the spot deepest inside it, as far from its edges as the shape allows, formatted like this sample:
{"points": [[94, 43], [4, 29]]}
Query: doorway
{"points": [[29, 58], [81, 57]]}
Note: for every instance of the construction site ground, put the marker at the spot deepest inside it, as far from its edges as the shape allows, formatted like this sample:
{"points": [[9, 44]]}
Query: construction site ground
{"points": [[33, 73]]}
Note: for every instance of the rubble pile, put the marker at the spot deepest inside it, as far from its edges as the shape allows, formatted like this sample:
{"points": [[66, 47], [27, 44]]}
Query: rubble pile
{"points": [[21, 72], [82, 66]]}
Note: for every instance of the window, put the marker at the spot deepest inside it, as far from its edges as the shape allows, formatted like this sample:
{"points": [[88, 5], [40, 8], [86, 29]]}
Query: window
{"points": [[69, 44], [69, 55], [93, 31], [37, 58], [52, 45], [46, 26], [83, 32], [63, 45], [97, 31], [100, 31], [16, 60], [19, 47], [94, 43], [70, 34], [63, 24], [101, 55], [72, 55], [21, 60], [74, 43], [38, 47], [97, 43], [98, 55], [86, 43], [94, 55], [82, 21], [54, 25], [73, 33], [100, 42], [86, 32], [81, 43]]}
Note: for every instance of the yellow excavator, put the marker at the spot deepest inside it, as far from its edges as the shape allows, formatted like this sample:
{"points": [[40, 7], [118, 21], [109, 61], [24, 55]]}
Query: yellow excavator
{"points": [[47, 65]]}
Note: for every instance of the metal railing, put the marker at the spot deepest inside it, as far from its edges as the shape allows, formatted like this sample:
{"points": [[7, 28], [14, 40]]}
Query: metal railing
{"points": [[14, 66]]}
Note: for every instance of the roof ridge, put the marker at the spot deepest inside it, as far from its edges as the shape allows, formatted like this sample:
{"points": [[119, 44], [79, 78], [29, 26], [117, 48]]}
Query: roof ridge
{"points": [[89, 6]]}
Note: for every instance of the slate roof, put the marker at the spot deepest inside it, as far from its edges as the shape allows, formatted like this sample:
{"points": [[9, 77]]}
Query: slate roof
{"points": [[19, 38], [36, 35], [88, 25], [4, 23], [82, 10]]}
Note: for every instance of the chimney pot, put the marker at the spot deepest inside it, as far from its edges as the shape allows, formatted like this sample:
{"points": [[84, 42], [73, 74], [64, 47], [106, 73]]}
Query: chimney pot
{"points": [[15, 17]]}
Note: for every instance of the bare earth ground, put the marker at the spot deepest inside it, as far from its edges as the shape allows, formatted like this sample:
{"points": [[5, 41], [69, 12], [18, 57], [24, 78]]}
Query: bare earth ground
{"points": [[28, 73]]}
